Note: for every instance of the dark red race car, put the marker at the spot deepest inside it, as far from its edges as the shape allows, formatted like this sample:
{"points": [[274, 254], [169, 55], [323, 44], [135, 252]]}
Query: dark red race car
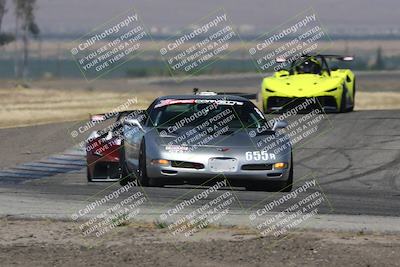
{"points": [[104, 146]]}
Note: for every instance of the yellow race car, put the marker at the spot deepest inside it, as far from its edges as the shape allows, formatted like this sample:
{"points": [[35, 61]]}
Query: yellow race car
{"points": [[310, 77]]}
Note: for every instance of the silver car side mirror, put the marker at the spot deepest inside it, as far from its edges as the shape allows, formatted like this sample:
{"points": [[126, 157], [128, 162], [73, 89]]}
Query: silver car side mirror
{"points": [[279, 125], [133, 123]]}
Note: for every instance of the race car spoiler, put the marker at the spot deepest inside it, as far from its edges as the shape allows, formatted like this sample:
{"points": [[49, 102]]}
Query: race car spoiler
{"points": [[110, 115], [245, 95], [337, 57]]}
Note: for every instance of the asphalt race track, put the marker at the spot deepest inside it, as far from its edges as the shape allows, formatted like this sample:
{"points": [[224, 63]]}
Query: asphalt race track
{"points": [[356, 165]]}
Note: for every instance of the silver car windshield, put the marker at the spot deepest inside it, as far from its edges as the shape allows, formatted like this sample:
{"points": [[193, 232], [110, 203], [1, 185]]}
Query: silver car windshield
{"points": [[237, 114]]}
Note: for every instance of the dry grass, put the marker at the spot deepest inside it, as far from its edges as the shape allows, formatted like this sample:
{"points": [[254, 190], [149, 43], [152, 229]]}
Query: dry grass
{"points": [[379, 100], [27, 106]]}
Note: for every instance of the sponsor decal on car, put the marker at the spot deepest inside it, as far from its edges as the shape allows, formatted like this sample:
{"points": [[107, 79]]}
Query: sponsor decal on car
{"points": [[259, 155], [167, 102]]}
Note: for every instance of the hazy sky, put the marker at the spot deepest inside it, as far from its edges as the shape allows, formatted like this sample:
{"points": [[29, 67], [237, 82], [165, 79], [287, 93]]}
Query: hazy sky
{"points": [[83, 15]]}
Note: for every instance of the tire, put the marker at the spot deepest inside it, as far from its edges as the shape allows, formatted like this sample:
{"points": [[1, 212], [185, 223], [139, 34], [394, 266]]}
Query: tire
{"points": [[144, 180], [125, 173], [354, 96], [142, 171], [343, 101], [88, 176]]}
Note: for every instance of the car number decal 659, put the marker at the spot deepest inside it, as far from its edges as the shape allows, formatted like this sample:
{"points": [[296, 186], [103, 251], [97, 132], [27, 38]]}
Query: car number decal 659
{"points": [[259, 155]]}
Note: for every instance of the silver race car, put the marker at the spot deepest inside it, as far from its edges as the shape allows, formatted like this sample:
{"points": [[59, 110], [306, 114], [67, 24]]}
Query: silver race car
{"points": [[203, 137]]}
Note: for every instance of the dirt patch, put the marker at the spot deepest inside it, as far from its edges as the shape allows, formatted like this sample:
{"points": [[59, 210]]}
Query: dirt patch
{"points": [[49, 243]]}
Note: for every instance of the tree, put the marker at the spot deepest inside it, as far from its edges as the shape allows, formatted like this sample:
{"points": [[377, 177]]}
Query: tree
{"points": [[5, 38], [379, 63], [24, 12], [3, 10]]}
